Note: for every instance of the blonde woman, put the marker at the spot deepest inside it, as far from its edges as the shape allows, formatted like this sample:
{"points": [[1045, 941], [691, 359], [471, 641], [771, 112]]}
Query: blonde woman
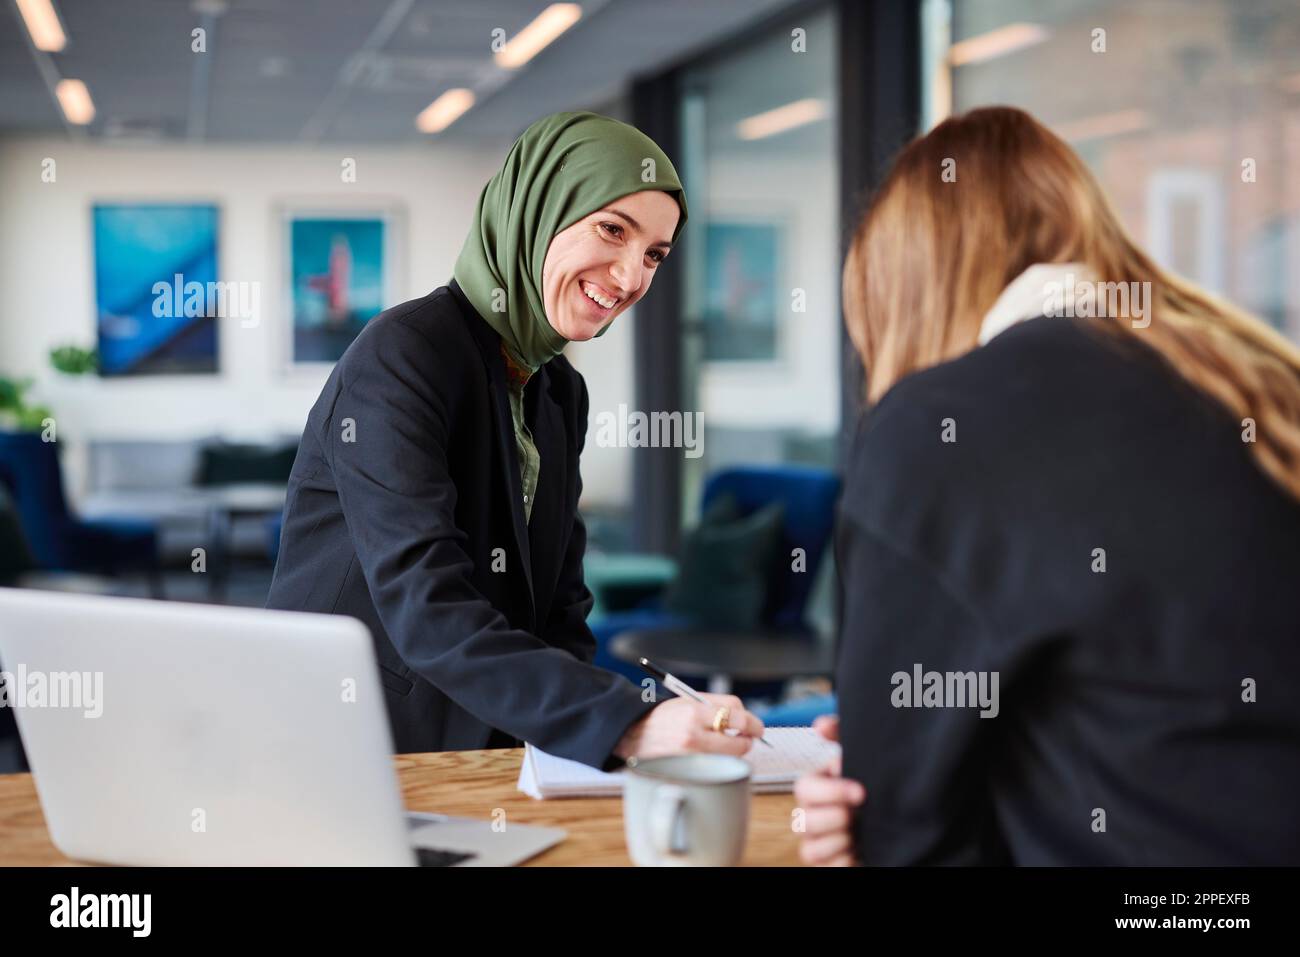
{"points": [[1069, 539]]}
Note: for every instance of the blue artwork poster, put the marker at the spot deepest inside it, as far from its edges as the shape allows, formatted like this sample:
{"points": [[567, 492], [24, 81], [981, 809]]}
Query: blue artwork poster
{"points": [[741, 302], [337, 282], [145, 256]]}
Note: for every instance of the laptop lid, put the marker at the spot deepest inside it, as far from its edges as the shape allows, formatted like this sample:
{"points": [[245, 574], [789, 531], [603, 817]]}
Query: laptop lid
{"points": [[164, 733]]}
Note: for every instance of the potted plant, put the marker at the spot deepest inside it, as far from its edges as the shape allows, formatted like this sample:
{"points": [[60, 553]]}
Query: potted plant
{"points": [[16, 415], [74, 360]]}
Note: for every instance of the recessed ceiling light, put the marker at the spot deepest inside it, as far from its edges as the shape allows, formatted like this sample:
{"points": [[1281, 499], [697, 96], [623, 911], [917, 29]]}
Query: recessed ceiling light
{"points": [[43, 25], [783, 118], [996, 43], [538, 35], [444, 111], [75, 101]]}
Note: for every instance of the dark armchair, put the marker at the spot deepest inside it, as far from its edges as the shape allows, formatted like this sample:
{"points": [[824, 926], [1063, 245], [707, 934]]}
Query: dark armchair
{"points": [[58, 540]]}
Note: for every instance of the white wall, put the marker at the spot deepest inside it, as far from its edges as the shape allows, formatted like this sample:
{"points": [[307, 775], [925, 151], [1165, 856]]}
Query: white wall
{"points": [[607, 366], [47, 283], [801, 389], [47, 293]]}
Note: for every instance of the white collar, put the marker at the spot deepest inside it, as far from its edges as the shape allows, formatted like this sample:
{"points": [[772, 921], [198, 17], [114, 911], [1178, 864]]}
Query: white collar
{"points": [[1030, 295]]}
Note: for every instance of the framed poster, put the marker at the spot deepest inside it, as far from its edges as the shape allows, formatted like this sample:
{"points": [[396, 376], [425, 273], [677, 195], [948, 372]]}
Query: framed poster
{"points": [[155, 273], [741, 298], [340, 267]]}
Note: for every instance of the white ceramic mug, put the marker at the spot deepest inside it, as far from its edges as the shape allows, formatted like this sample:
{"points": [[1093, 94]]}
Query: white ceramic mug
{"points": [[686, 810]]}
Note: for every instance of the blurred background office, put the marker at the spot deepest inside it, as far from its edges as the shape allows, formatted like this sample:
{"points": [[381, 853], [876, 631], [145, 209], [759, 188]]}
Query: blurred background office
{"points": [[201, 203]]}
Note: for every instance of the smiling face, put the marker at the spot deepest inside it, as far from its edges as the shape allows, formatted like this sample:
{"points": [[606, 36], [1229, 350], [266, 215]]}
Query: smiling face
{"points": [[605, 262]]}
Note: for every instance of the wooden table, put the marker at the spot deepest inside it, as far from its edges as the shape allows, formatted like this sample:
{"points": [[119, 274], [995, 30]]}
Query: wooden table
{"points": [[462, 783]]}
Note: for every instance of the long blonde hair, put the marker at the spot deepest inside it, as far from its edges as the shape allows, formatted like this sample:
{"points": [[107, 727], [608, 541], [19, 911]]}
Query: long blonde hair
{"points": [[983, 196]]}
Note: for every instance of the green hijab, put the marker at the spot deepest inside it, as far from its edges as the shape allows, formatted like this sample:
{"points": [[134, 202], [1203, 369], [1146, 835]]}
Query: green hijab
{"points": [[564, 167]]}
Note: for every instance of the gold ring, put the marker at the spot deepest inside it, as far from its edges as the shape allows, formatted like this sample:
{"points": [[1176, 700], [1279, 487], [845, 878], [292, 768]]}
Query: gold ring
{"points": [[720, 719]]}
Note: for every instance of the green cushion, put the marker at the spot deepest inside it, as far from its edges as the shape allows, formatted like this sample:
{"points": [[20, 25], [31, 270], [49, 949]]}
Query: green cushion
{"points": [[727, 566]]}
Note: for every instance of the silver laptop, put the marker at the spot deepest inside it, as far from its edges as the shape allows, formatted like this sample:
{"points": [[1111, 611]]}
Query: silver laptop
{"points": [[164, 733]]}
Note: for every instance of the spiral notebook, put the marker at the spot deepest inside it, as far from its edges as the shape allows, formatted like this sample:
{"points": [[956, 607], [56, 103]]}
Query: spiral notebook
{"points": [[794, 752]]}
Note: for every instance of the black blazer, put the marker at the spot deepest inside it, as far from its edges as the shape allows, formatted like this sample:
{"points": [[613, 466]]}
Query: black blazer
{"points": [[1120, 691], [405, 511]]}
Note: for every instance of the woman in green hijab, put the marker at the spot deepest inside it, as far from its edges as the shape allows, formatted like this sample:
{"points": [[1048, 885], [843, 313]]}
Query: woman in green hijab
{"points": [[435, 492]]}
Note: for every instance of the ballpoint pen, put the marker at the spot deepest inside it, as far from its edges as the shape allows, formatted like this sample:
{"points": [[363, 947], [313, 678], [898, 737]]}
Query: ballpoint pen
{"points": [[676, 685]]}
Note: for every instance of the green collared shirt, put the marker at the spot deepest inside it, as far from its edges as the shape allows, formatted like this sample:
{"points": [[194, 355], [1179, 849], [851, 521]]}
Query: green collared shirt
{"points": [[530, 462]]}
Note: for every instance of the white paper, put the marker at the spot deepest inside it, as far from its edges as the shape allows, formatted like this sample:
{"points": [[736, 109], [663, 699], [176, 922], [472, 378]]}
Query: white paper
{"points": [[794, 752]]}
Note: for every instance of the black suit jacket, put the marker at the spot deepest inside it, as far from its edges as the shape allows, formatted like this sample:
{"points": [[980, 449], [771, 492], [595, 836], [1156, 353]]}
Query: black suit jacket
{"points": [[1122, 736], [405, 511]]}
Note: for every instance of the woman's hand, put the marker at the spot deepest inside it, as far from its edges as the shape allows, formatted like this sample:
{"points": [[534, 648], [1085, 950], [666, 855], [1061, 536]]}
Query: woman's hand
{"points": [[828, 800], [681, 724]]}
